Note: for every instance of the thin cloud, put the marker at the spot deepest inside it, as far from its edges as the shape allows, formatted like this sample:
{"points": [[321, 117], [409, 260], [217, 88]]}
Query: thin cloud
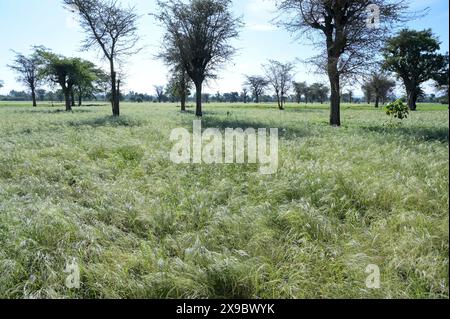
{"points": [[262, 27]]}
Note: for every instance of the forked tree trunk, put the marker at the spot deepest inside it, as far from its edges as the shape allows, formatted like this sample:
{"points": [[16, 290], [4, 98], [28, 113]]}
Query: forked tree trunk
{"points": [[198, 88], [281, 103], [33, 96], [278, 100]]}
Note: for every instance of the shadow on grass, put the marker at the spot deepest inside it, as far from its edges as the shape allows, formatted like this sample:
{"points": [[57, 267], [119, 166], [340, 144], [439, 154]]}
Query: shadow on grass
{"points": [[52, 111], [440, 134], [95, 105], [231, 122], [112, 121], [306, 110]]}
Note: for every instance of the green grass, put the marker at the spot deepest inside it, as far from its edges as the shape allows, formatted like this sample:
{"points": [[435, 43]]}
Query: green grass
{"points": [[102, 190]]}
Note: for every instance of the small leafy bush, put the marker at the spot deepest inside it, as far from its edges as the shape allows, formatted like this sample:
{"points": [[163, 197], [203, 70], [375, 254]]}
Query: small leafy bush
{"points": [[397, 110]]}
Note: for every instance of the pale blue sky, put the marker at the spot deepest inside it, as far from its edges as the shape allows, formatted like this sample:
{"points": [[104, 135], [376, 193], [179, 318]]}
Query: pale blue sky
{"points": [[24, 23]]}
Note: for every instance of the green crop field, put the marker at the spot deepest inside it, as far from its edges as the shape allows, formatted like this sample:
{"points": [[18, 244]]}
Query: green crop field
{"points": [[102, 191]]}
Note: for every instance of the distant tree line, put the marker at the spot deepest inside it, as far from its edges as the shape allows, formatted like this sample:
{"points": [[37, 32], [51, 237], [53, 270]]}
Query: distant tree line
{"points": [[75, 79], [353, 46]]}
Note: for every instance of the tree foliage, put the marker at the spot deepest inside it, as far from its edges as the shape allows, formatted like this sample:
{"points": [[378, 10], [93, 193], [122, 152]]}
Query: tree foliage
{"points": [[256, 84], [397, 110], [110, 28], [413, 56], [300, 89], [378, 85], [280, 76], [347, 36], [197, 37], [26, 68], [179, 86], [68, 73]]}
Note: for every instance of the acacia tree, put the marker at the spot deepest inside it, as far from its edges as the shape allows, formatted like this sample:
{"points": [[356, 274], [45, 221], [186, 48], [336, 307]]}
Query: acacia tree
{"points": [[27, 69], [40, 93], [103, 83], [110, 28], [89, 81], [378, 85], [367, 91], [62, 71], [442, 79], [301, 89], [349, 94], [1, 84], [318, 92], [159, 89], [244, 94], [348, 34], [180, 86], [413, 56], [68, 73], [197, 37], [257, 85], [279, 76]]}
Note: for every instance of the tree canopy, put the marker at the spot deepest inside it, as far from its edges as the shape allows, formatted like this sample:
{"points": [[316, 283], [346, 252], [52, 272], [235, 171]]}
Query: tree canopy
{"points": [[257, 85], [68, 73], [110, 28], [414, 58], [279, 76], [378, 85], [349, 35], [26, 68], [197, 37]]}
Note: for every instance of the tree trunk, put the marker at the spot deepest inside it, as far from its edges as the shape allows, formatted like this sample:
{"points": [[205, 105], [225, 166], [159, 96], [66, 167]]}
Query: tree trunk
{"points": [[335, 107], [114, 97], [278, 100], [412, 99], [80, 100], [68, 101], [72, 97], [33, 96], [377, 101], [257, 98], [117, 105], [198, 88], [183, 102]]}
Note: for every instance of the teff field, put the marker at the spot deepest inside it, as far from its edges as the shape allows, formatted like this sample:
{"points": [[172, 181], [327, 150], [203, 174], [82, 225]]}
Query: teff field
{"points": [[102, 191]]}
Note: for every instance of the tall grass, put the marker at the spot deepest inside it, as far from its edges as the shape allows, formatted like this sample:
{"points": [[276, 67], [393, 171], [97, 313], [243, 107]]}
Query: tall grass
{"points": [[103, 191]]}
